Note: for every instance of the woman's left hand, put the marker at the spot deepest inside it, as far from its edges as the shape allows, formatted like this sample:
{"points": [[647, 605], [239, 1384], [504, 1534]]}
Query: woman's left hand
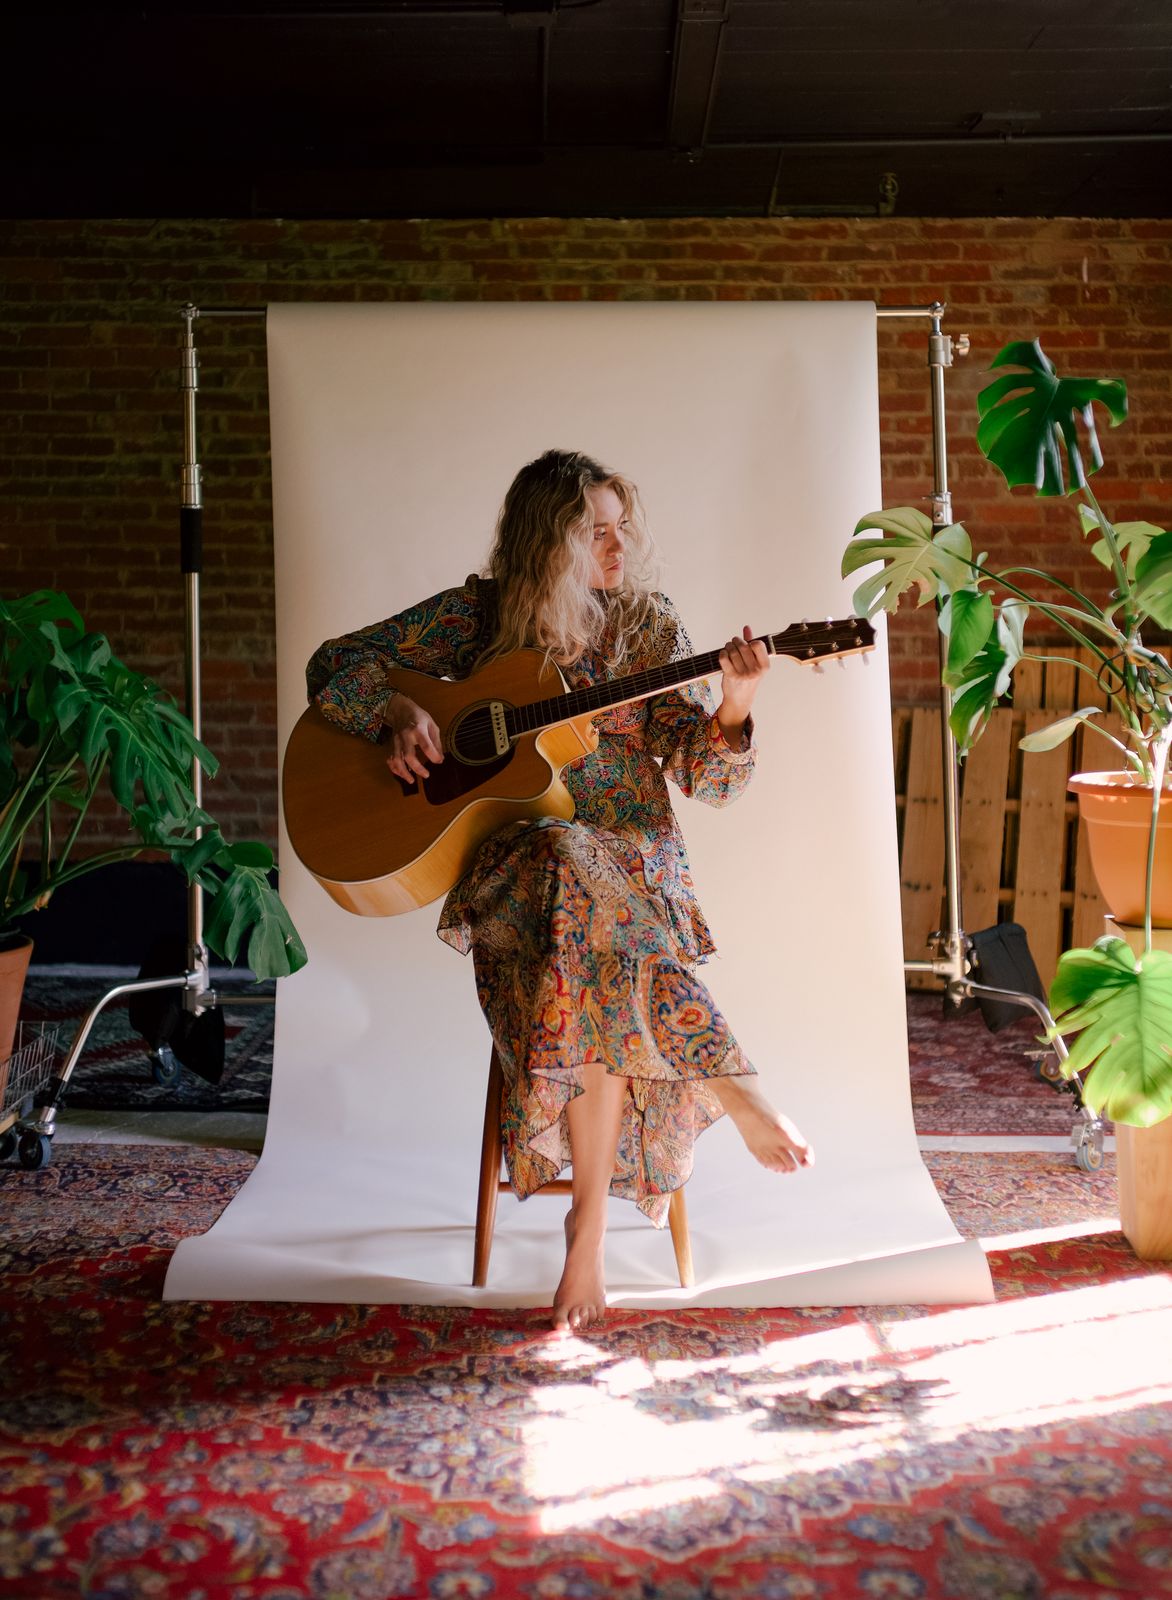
{"points": [[744, 663]]}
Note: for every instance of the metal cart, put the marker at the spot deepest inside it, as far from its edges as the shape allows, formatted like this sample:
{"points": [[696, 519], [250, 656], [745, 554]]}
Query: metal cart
{"points": [[23, 1079]]}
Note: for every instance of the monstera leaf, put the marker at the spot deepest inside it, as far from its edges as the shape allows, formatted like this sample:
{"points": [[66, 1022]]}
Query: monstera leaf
{"points": [[1056, 733], [967, 618], [1121, 1006], [1153, 579], [1131, 538], [243, 911], [72, 718], [986, 675], [914, 555], [1026, 419]]}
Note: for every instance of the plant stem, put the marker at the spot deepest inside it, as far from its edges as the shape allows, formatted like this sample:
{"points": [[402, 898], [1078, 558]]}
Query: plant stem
{"points": [[81, 815], [1085, 601], [18, 813], [1056, 614], [1102, 622], [1111, 540], [1128, 754]]}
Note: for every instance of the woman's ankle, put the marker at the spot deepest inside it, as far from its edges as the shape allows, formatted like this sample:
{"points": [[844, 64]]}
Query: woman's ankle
{"points": [[585, 1224]]}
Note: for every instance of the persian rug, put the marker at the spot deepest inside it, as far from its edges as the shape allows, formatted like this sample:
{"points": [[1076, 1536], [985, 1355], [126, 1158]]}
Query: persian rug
{"points": [[965, 1080], [1014, 1451], [113, 1072]]}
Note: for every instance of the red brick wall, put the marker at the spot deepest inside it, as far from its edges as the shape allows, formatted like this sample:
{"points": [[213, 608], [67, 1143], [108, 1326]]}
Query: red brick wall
{"points": [[90, 410]]}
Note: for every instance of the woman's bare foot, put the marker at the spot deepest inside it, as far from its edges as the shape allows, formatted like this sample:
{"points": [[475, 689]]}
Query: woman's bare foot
{"points": [[580, 1297], [771, 1137]]}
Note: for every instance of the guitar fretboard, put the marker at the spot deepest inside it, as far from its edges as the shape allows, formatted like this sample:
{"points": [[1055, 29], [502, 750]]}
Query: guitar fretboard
{"points": [[804, 641]]}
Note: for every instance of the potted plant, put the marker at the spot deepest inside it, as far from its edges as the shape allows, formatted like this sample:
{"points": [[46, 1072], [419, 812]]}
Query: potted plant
{"points": [[74, 720], [1039, 429]]}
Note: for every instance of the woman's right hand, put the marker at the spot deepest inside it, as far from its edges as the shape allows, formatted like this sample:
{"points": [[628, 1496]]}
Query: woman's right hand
{"points": [[415, 739]]}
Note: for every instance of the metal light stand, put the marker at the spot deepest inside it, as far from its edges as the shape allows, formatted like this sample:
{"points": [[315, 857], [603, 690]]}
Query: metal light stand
{"points": [[36, 1133], [953, 962]]}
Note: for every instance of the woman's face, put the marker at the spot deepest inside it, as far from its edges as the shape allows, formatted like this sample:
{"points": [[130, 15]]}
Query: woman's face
{"points": [[609, 536]]}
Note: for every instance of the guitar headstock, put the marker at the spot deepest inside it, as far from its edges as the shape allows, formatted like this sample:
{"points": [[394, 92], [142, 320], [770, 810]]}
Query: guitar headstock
{"points": [[817, 641]]}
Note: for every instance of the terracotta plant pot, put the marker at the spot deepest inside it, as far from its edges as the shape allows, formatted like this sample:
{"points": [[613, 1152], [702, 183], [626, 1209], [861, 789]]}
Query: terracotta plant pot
{"points": [[14, 960], [1118, 813]]}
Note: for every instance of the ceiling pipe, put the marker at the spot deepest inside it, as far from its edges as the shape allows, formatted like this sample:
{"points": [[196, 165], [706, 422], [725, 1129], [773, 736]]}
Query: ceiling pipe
{"points": [[963, 141]]}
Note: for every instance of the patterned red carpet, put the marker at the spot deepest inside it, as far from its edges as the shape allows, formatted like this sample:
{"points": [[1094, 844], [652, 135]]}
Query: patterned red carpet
{"points": [[273, 1452], [966, 1080]]}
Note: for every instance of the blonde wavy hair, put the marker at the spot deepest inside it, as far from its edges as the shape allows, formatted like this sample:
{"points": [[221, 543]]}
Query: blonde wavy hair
{"points": [[542, 561]]}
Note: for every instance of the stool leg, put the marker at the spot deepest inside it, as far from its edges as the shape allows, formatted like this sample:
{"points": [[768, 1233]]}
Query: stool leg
{"points": [[677, 1221], [490, 1172]]}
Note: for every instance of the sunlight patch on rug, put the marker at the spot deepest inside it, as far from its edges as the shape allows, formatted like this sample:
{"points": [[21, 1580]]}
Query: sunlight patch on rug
{"points": [[686, 1426], [666, 1437]]}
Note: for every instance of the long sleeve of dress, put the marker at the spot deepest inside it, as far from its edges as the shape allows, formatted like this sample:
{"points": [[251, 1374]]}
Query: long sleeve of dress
{"points": [[682, 730], [442, 636]]}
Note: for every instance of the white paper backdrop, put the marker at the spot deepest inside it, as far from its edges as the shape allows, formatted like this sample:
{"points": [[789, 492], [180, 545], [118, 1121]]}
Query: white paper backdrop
{"points": [[752, 431]]}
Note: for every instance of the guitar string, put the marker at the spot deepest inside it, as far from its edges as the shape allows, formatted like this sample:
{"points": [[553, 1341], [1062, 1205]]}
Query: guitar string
{"points": [[539, 713], [478, 740]]}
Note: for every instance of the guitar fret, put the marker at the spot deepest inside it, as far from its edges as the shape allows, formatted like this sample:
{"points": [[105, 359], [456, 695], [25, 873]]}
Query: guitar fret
{"points": [[809, 641]]}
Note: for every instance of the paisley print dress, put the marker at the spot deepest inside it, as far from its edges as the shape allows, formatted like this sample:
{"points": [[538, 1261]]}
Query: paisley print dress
{"points": [[584, 934]]}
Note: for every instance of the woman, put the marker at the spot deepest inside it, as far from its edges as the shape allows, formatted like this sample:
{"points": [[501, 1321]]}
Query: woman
{"points": [[585, 934]]}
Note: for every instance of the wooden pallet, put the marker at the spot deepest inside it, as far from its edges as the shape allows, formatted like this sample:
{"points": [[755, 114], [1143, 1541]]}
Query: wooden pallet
{"points": [[1023, 855]]}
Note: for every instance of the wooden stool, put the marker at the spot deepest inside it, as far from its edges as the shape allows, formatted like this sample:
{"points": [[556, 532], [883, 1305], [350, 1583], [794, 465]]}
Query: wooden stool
{"points": [[491, 1184]]}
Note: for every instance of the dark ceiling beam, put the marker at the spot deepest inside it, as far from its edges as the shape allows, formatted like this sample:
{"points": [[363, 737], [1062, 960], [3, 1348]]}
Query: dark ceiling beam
{"points": [[695, 64]]}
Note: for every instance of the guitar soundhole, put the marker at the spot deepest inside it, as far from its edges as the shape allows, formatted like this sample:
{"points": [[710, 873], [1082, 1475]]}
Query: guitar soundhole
{"points": [[471, 758], [470, 737]]}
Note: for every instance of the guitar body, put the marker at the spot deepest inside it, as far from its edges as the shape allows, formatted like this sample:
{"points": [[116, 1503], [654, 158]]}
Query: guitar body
{"points": [[378, 846]]}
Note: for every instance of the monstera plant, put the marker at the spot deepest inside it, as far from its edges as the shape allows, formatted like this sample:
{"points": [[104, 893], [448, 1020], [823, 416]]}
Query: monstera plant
{"points": [[1039, 430], [75, 721]]}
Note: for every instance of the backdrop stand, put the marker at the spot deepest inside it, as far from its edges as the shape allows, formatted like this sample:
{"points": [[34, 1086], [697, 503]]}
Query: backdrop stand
{"points": [[954, 961], [199, 999], [952, 964]]}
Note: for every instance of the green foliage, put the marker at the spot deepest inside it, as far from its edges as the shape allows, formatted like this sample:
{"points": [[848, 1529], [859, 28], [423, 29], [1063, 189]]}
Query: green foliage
{"points": [[74, 718], [1057, 733], [1120, 1005], [1153, 580], [913, 557], [1026, 421], [1039, 429], [1131, 539]]}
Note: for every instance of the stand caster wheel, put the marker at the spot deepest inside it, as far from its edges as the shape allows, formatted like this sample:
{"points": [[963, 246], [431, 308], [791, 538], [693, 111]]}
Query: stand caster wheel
{"points": [[8, 1143], [164, 1067], [1088, 1149], [35, 1150]]}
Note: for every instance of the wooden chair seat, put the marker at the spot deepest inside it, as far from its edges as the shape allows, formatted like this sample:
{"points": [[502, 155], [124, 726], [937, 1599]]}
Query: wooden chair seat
{"points": [[491, 1184]]}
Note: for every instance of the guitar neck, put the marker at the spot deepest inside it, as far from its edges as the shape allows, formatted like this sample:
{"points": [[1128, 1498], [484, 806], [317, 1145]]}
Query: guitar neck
{"points": [[809, 642]]}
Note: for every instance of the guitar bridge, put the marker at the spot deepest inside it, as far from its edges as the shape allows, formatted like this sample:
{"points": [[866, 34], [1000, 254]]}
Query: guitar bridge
{"points": [[500, 735]]}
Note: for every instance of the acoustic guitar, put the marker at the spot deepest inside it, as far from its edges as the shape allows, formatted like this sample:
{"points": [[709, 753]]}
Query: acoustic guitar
{"points": [[380, 846]]}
